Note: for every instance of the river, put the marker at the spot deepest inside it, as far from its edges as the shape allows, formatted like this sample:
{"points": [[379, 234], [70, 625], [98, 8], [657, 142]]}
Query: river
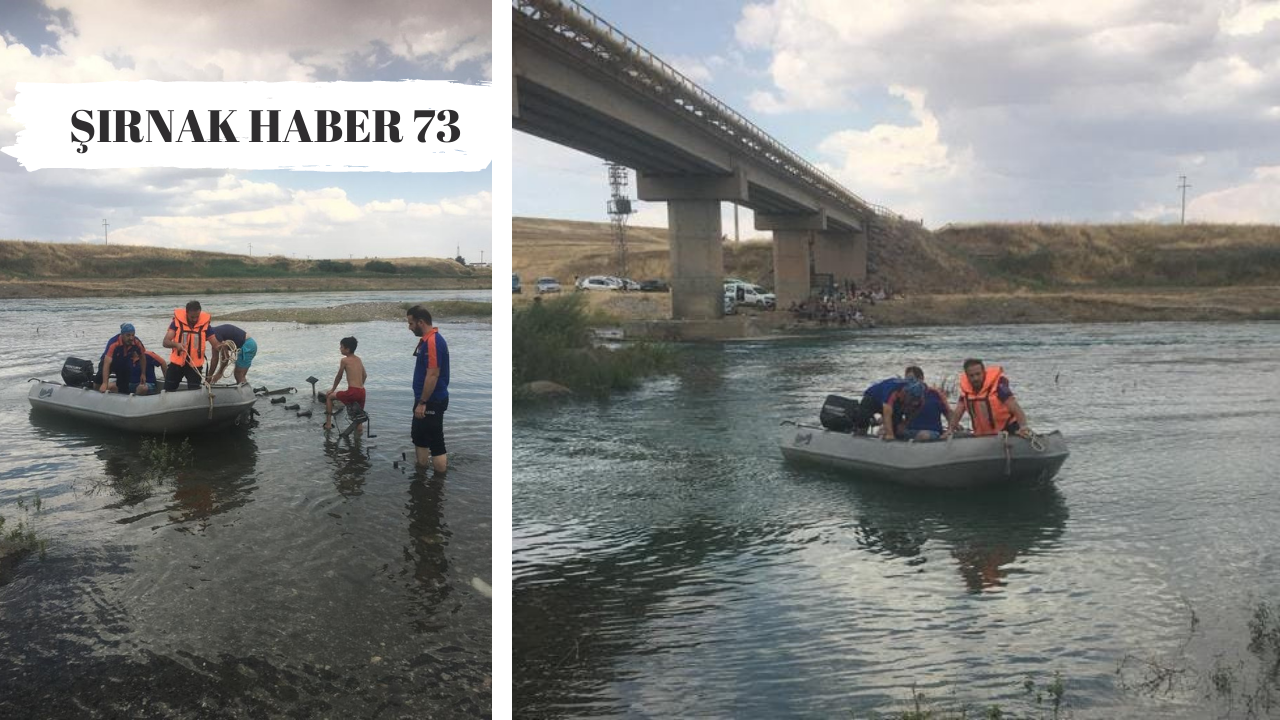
{"points": [[279, 574], [668, 562]]}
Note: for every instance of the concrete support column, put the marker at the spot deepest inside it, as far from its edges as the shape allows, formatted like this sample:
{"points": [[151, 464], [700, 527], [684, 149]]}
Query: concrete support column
{"points": [[697, 259], [843, 255], [791, 266]]}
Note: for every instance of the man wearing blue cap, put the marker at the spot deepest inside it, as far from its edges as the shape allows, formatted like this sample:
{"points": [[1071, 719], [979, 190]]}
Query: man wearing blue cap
{"points": [[917, 410], [125, 352]]}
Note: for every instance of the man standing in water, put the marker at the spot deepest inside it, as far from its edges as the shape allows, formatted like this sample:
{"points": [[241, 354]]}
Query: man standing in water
{"points": [[188, 333], [430, 390]]}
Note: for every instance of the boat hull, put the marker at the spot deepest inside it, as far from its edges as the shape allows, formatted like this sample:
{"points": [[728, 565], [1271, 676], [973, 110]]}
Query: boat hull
{"points": [[962, 462], [181, 411]]}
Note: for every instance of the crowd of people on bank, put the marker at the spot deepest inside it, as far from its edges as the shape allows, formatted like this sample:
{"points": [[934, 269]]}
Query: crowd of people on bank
{"points": [[842, 305]]}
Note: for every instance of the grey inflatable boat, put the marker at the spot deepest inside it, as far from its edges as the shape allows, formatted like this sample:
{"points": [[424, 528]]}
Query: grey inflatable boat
{"points": [[961, 462], [181, 411]]}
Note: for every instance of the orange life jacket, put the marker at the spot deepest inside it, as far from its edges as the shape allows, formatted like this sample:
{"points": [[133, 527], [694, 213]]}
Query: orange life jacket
{"points": [[190, 337], [988, 412]]}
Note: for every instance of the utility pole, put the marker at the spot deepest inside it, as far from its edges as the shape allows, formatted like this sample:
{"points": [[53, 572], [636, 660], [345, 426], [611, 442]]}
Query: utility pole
{"points": [[250, 249], [105, 225], [1183, 185], [735, 223]]}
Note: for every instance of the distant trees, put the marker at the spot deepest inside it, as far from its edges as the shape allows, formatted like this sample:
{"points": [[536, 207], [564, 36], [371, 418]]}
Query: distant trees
{"points": [[381, 266]]}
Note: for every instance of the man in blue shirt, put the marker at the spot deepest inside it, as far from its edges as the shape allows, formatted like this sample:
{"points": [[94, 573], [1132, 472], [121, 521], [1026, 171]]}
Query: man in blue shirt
{"points": [[123, 355], [873, 399], [430, 390]]}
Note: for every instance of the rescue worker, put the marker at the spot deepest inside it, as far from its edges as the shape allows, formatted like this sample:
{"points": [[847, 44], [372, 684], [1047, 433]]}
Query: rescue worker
{"points": [[144, 378], [992, 408], [124, 351], [187, 336], [220, 359], [918, 410], [873, 400]]}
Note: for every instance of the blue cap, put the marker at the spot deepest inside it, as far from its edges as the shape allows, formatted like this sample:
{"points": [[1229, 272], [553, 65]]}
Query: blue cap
{"points": [[126, 328]]}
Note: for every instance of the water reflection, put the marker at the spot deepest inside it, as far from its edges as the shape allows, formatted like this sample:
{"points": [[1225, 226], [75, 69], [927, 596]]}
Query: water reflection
{"points": [[428, 539], [985, 531], [350, 462]]}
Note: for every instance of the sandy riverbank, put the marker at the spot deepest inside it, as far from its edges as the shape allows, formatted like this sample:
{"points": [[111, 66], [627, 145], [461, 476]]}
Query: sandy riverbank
{"points": [[1225, 304], [132, 287], [442, 311]]}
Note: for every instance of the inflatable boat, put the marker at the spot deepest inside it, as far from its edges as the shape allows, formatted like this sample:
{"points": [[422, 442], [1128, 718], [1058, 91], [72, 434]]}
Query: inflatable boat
{"points": [[959, 462], [181, 411]]}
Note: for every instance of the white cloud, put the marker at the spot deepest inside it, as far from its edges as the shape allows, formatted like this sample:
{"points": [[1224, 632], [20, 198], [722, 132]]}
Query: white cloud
{"points": [[888, 159], [1256, 201], [273, 41], [1030, 109], [319, 223]]}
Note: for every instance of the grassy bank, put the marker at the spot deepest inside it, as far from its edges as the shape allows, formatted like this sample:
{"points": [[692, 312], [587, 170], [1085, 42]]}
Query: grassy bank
{"points": [[33, 269], [551, 342], [442, 311]]}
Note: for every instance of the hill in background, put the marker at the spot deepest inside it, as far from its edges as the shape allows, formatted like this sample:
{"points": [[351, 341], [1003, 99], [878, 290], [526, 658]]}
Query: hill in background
{"points": [[955, 259], [38, 260]]}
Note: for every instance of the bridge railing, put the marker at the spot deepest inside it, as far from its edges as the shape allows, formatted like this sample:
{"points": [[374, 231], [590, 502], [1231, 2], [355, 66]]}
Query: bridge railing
{"points": [[592, 28]]}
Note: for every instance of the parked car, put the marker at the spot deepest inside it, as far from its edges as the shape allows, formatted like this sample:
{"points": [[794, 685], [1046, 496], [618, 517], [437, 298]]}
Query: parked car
{"points": [[598, 282], [629, 284], [654, 286], [548, 285], [748, 294], [515, 284]]}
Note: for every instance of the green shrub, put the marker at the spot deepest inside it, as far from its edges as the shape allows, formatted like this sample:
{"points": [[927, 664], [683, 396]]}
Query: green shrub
{"points": [[381, 266], [552, 341], [335, 266]]}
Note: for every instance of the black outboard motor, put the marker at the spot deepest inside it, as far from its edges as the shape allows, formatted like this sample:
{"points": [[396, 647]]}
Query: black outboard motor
{"points": [[77, 372], [838, 413]]}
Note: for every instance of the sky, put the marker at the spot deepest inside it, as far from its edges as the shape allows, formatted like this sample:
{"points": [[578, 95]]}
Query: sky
{"points": [[961, 111], [292, 213]]}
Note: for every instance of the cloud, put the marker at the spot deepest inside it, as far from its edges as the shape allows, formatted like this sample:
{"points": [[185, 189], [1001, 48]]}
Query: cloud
{"points": [[276, 41], [319, 223], [1256, 201], [1030, 109]]}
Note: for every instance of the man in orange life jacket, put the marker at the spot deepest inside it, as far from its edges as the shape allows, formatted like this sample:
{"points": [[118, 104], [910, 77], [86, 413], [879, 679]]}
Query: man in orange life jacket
{"points": [[992, 408], [188, 333]]}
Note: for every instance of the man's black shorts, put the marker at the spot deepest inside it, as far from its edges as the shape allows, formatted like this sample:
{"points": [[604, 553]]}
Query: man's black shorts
{"points": [[428, 432]]}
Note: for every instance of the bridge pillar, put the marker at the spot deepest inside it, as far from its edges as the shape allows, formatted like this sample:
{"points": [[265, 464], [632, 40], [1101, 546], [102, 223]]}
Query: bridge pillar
{"points": [[843, 255], [791, 266], [697, 259]]}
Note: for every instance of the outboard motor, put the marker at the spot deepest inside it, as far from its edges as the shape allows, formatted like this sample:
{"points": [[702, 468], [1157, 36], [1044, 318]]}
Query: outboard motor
{"points": [[77, 372], [838, 413]]}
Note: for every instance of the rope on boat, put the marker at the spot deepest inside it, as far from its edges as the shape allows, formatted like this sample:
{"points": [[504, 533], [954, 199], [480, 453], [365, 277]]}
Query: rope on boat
{"points": [[1037, 442], [228, 349], [1008, 452]]}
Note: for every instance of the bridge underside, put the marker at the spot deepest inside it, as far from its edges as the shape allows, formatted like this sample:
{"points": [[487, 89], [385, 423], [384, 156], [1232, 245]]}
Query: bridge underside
{"points": [[562, 94]]}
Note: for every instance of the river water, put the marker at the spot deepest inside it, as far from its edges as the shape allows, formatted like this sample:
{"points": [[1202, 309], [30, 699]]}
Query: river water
{"points": [[281, 573], [668, 562]]}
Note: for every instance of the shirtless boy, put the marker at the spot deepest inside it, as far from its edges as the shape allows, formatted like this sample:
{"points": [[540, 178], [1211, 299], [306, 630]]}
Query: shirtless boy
{"points": [[354, 369]]}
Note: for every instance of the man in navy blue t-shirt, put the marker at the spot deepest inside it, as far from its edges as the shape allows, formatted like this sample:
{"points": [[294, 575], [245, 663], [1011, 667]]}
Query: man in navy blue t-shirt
{"points": [[430, 390]]}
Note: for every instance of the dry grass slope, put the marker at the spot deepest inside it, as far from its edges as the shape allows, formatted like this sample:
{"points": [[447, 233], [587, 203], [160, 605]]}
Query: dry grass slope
{"points": [[20, 260], [956, 259]]}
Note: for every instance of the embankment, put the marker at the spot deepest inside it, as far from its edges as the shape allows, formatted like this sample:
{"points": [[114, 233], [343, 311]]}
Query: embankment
{"points": [[35, 269]]}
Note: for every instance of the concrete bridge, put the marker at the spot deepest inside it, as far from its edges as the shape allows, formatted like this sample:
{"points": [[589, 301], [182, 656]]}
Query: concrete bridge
{"points": [[581, 83]]}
